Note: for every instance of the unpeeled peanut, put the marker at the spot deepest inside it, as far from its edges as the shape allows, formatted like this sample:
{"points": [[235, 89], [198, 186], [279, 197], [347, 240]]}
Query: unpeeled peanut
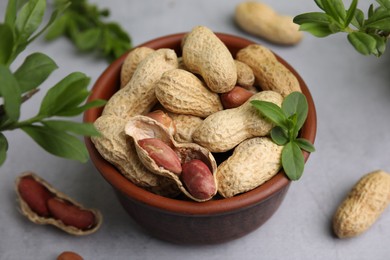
{"points": [[138, 97], [270, 74], [181, 92], [363, 205], [261, 20], [254, 161], [185, 126], [131, 62], [235, 97], [245, 76], [205, 54], [225, 129]]}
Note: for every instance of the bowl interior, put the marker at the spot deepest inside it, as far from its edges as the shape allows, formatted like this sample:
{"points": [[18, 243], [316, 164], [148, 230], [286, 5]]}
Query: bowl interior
{"points": [[108, 84]]}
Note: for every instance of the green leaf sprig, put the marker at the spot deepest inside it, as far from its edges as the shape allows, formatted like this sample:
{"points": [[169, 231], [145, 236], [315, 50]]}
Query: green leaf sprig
{"points": [[288, 120], [367, 34], [64, 99], [83, 24]]}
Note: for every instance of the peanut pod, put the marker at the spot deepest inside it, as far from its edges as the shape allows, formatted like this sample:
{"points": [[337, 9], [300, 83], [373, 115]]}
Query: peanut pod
{"points": [[181, 92], [270, 74], [138, 96], [142, 127], [225, 129], [205, 54], [82, 221], [363, 205], [253, 162]]}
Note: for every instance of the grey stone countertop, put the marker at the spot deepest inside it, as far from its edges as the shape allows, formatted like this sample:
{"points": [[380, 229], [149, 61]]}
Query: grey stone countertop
{"points": [[352, 97]]}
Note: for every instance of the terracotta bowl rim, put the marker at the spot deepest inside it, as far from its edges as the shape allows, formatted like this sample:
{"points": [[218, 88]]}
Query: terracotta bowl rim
{"points": [[181, 207]]}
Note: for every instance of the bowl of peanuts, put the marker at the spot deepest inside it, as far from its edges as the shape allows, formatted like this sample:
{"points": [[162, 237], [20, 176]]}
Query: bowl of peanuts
{"points": [[188, 157]]}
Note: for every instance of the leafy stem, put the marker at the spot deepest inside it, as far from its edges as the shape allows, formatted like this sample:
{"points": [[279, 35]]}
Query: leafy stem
{"points": [[368, 33], [288, 120], [65, 99]]}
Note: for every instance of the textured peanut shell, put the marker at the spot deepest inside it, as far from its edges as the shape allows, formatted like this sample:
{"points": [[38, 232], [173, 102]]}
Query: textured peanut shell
{"points": [[138, 96], [141, 127], [131, 62], [185, 126], [253, 162], [181, 92], [205, 54], [35, 218], [225, 129], [270, 74], [261, 20], [245, 76], [118, 149], [363, 205]]}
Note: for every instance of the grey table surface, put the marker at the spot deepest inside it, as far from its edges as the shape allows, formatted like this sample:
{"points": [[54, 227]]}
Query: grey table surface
{"points": [[352, 97]]}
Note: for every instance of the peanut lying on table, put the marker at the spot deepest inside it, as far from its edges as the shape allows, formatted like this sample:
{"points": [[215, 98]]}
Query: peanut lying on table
{"points": [[363, 205], [261, 20]]}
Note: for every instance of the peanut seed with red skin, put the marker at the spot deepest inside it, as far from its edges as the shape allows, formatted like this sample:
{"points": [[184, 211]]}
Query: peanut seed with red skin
{"points": [[71, 215], [163, 155], [35, 195], [235, 97], [198, 179]]}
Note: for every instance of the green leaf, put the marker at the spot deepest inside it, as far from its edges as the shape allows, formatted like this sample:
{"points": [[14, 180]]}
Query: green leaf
{"points": [[6, 43], [279, 135], [319, 4], [35, 69], [57, 28], [58, 143], [358, 20], [379, 20], [272, 111], [335, 9], [305, 145], [317, 29], [29, 19], [80, 109], [384, 3], [3, 148], [380, 44], [351, 12], [363, 43], [10, 13], [292, 161], [89, 39], [52, 19], [85, 129], [312, 17], [296, 103], [66, 94], [11, 93]]}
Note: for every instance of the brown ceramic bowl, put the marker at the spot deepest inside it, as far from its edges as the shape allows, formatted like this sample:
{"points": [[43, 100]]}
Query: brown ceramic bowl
{"points": [[189, 222]]}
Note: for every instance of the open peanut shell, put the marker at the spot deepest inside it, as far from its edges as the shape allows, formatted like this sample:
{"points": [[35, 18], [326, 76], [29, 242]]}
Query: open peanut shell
{"points": [[35, 218], [141, 127]]}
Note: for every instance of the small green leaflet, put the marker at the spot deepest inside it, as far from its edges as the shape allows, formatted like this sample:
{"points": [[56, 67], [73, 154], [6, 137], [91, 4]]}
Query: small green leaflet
{"points": [[288, 120], [10, 92]]}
